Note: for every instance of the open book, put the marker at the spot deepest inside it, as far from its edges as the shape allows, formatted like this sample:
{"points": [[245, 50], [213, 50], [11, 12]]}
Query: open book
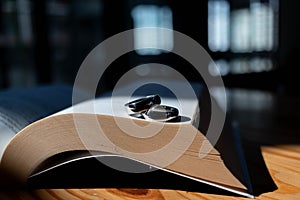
{"points": [[33, 132]]}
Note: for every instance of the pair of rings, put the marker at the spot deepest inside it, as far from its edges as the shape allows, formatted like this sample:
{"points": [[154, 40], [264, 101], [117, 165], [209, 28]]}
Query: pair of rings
{"points": [[149, 108]]}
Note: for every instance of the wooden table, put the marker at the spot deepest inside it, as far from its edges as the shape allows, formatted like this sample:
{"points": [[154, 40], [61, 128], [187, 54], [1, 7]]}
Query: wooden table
{"points": [[269, 121], [282, 161]]}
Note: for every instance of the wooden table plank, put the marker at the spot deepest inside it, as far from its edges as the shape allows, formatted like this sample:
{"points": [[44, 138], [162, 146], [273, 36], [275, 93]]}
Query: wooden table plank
{"points": [[283, 162]]}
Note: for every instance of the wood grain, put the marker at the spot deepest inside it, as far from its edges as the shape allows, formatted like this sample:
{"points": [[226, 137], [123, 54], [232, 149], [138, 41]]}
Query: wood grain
{"points": [[283, 162]]}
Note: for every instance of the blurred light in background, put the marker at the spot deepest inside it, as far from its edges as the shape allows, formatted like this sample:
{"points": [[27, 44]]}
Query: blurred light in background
{"points": [[152, 16], [219, 67], [240, 66], [218, 25], [240, 30], [71, 28], [246, 100], [262, 31], [244, 29], [243, 35], [24, 19], [56, 8]]}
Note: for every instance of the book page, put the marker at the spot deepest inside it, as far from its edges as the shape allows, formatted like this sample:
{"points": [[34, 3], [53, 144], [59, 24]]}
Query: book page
{"points": [[20, 107], [6, 134], [112, 103]]}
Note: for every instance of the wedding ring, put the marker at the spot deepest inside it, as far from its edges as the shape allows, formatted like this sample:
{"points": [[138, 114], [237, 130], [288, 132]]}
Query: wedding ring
{"points": [[143, 104], [161, 113]]}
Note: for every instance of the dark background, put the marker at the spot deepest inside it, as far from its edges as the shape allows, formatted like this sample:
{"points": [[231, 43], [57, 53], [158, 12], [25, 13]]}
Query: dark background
{"points": [[46, 41]]}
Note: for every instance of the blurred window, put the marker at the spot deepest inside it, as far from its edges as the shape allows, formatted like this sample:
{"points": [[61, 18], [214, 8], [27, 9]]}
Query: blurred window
{"points": [[218, 25], [152, 16], [237, 29]]}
